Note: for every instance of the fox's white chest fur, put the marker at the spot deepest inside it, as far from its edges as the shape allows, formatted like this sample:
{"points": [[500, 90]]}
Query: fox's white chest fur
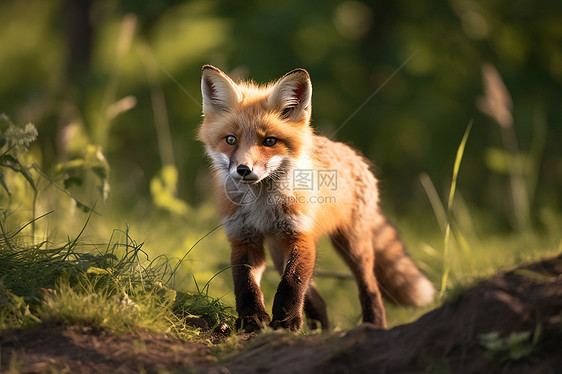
{"points": [[260, 210]]}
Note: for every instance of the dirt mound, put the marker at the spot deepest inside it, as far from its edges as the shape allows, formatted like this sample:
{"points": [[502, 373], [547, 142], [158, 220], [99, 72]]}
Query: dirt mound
{"points": [[509, 323], [449, 339]]}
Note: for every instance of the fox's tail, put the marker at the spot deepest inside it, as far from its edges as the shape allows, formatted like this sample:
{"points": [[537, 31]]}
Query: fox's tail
{"points": [[400, 280]]}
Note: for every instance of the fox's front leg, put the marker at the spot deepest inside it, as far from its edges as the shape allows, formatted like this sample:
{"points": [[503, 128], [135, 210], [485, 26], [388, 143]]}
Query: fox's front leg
{"points": [[300, 255], [248, 264]]}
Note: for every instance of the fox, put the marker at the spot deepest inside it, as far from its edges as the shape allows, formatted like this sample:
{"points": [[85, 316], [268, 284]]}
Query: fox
{"points": [[260, 141]]}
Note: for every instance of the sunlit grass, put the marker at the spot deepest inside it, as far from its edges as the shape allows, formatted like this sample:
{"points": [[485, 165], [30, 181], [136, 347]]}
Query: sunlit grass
{"points": [[114, 287], [447, 236]]}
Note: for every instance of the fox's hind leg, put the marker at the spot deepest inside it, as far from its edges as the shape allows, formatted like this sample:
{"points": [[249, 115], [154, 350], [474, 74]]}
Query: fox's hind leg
{"points": [[314, 305], [356, 248], [315, 309]]}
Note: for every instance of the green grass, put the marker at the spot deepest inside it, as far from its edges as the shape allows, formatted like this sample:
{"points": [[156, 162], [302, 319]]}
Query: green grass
{"points": [[114, 287]]}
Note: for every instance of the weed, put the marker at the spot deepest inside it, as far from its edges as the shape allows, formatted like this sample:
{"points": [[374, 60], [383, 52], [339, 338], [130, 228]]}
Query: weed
{"points": [[516, 346]]}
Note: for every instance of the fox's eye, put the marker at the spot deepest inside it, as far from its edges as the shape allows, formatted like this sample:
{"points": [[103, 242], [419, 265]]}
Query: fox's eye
{"points": [[231, 140], [269, 141]]}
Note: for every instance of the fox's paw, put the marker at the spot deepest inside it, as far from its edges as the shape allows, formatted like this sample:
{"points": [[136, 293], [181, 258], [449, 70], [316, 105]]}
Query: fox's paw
{"points": [[289, 323], [254, 322]]}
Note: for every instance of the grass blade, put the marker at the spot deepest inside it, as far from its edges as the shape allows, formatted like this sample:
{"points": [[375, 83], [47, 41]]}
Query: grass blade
{"points": [[434, 200], [446, 239]]}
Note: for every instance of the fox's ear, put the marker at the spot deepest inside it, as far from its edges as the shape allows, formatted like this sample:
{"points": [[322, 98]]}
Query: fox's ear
{"points": [[218, 90], [292, 95]]}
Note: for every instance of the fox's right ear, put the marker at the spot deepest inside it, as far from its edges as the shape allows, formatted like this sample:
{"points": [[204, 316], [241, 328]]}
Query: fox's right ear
{"points": [[218, 90]]}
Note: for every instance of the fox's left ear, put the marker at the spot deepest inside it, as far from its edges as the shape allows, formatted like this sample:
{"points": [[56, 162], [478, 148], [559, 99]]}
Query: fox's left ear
{"points": [[292, 95]]}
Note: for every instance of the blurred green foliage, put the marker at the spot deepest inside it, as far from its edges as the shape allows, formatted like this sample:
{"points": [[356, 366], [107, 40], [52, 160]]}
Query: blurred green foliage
{"points": [[113, 88], [66, 65]]}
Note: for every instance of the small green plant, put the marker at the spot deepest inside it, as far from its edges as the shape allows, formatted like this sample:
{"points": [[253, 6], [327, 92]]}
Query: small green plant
{"points": [[18, 173], [14, 311], [516, 346], [76, 172], [14, 140]]}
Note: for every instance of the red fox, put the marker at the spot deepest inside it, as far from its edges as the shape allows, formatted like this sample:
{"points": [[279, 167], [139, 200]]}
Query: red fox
{"points": [[268, 166]]}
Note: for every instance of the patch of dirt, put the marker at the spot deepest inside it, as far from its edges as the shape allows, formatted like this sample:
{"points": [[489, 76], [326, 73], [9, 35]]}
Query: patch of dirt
{"points": [[82, 349], [448, 339]]}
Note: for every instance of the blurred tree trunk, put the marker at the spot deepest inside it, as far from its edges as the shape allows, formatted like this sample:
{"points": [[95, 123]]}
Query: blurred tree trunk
{"points": [[79, 35]]}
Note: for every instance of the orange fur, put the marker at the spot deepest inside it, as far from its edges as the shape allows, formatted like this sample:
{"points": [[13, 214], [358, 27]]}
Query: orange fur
{"points": [[260, 139]]}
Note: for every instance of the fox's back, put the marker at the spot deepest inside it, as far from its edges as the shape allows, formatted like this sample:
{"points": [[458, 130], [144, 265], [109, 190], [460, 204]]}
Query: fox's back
{"points": [[353, 187]]}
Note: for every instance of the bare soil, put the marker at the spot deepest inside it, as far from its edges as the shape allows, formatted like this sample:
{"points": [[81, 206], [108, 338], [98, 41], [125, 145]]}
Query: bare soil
{"points": [[445, 340]]}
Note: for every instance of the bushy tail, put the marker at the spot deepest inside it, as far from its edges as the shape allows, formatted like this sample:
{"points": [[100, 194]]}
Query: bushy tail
{"points": [[400, 280]]}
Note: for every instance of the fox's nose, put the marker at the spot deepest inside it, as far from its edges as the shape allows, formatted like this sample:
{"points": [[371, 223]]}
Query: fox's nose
{"points": [[243, 170]]}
